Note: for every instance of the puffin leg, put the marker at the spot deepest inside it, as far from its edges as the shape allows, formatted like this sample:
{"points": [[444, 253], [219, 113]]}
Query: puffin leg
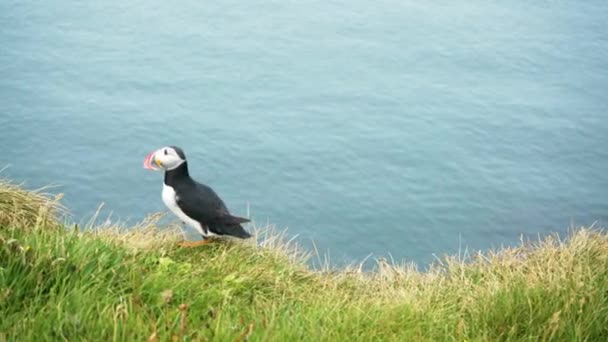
{"points": [[194, 243]]}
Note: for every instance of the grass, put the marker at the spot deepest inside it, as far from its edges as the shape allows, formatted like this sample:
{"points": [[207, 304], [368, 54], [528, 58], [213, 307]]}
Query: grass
{"points": [[105, 283]]}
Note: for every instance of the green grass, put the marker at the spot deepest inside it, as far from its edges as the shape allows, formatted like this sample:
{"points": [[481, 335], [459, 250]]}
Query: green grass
{"points": [[103, 284]]}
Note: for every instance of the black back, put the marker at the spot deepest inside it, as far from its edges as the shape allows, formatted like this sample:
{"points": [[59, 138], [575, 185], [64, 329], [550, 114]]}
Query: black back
{"points": [[202, 204]]}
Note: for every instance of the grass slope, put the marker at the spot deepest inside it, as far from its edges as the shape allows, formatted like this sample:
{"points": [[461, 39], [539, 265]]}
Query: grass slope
{"points": [[60, 283]]}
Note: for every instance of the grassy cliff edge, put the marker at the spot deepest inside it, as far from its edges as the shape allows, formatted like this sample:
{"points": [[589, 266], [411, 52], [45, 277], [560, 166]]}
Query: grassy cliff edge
{"points": [[107, 283]]}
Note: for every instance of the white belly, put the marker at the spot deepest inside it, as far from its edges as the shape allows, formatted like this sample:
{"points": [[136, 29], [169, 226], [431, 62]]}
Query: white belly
{"points": [[170, 201]]}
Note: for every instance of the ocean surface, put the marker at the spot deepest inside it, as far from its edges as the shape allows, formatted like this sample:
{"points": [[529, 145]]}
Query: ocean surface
{"points": [[401, 129]]}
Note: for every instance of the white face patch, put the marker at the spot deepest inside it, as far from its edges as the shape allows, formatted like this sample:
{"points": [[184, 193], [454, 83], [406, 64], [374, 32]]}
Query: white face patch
{"points": [[168, 158]]}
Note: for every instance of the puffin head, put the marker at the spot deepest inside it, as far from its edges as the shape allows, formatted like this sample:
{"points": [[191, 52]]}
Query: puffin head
{"points": [[166, 159]]}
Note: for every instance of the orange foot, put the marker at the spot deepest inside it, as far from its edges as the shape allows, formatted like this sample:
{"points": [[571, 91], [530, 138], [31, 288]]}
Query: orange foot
{"points": [[194, 243]]}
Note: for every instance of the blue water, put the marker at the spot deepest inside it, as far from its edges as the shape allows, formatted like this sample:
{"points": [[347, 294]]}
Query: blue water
{"points": [[400, 128]]}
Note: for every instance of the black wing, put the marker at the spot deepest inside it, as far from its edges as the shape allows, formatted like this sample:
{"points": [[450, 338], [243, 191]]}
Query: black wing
{"points": [[201, 203]]}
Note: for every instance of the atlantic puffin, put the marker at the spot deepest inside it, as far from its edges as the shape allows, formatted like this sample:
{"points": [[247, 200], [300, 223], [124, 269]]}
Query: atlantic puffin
{"points": [[195, 204]]}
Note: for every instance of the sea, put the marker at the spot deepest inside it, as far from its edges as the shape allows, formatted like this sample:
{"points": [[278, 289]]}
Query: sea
{"points": [[405, 130]]}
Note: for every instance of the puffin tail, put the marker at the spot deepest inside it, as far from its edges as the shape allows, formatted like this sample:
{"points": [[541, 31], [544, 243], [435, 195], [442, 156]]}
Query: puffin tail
{"points": [[239, 232], [235, 230], [231, 225]]}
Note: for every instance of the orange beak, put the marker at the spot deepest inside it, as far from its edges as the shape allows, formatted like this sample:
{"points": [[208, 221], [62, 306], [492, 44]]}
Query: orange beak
{"points": [[151, 163]]}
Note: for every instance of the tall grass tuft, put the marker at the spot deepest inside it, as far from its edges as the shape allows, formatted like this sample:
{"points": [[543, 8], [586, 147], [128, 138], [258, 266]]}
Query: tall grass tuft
{"points": [[28, 209]]}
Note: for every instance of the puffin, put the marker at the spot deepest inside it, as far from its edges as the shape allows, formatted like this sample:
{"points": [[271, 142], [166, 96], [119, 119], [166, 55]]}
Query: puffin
{"points": [[195, 204]]}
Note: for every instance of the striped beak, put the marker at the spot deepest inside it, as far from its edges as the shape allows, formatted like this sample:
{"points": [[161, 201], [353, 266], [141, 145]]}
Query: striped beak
{"points": [[151, 163]]}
